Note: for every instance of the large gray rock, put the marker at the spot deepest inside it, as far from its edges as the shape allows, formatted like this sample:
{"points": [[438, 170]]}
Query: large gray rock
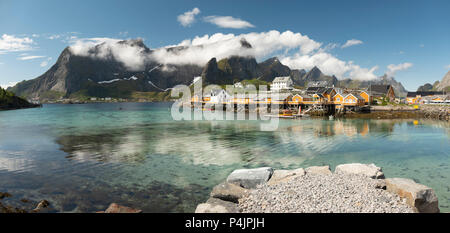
{"points": [[214, 205], [321, 170], [250, 178], [417, 195], [280, 176], [369, 170], [229, 192]]}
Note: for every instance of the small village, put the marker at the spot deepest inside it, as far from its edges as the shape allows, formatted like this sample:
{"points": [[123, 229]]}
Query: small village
{"points": [[316, 98]]}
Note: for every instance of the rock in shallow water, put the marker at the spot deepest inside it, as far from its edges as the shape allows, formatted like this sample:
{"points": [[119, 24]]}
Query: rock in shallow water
{"points": [[115, 208], [229, 192], [250, 178], [417, 195], [214, 205], [369, 170]]}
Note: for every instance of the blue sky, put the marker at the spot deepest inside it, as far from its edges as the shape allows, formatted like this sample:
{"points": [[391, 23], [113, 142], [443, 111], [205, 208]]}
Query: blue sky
{"points": [[413, 37]]}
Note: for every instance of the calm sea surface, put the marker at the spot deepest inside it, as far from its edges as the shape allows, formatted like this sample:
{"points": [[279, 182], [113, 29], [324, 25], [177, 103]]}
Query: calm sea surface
{"points": [[83, 157]]}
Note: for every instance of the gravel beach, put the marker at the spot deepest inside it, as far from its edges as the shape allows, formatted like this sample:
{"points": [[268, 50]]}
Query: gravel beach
{"points": [[324, 193]]}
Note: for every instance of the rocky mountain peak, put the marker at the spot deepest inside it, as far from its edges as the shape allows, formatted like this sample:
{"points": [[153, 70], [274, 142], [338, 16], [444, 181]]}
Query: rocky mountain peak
{"points": [[245, 43], [444, 84]]}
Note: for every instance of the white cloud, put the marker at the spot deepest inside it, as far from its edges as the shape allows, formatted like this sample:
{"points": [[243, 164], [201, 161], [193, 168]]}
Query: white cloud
{"points": [[294, 50], [45, 63], [133, 57], [9, 84], [9, 43], [24, 58], [447, 66], [187, 18], [201, 49], [228, 22], [329, 65], [422, 45], [54, 37], [393, 69], [351, 43]]}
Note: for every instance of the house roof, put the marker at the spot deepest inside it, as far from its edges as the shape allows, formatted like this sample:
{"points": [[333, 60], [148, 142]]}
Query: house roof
{"points": [[379, 89], [282, 79], [424, 93], [338, 94], [310, 89], [355, 95]]}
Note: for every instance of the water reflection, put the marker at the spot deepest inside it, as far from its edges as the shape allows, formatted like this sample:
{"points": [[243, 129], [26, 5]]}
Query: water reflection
{"points": [[224, 142], [81, 158]]}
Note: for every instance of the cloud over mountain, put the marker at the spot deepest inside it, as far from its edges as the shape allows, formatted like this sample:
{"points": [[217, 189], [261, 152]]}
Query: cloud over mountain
{"points": [[294, 50], [127, 52]]}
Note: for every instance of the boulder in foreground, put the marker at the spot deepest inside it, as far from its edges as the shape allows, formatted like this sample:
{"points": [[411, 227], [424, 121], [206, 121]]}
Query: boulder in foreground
{"points": [[228, 192], [319, 170], [280, 176], [215, 205], [115, 208], [417, 195], [369, 170], [250, 178]]}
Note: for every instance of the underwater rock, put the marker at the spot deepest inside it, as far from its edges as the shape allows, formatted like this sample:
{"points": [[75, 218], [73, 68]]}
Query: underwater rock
{"points": [[115, 208]]}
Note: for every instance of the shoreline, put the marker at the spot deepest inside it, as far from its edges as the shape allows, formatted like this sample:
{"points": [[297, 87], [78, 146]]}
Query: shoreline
{"points": [[351, 188], [433, 112], [18, 108]]}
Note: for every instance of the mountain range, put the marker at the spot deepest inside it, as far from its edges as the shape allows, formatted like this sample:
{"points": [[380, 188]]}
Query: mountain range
{"points": [[443, 85], [77, 76]]}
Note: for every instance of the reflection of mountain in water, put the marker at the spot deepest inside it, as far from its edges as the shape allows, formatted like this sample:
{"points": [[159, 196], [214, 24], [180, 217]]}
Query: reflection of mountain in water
{"points": [[221, 142]]}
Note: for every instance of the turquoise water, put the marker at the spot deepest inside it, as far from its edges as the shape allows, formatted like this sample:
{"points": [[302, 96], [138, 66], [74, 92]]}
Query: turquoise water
{"points": [[83, 157]]}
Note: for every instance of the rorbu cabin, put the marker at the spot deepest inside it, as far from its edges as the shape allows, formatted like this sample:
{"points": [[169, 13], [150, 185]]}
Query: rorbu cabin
{"points": [[318, 98], [301, 99], [329, 93], [297, 98], [353, 100], [367, 98], [281, 98], [338, 99]]}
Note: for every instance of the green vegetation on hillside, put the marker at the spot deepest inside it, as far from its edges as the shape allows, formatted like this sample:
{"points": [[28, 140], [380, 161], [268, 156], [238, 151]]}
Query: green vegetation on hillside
{"points": [[224, 66], [9, 100]]}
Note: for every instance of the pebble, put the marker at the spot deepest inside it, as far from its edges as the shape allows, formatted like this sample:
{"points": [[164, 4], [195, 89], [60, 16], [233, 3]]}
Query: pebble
{"points": [[318, 193]]}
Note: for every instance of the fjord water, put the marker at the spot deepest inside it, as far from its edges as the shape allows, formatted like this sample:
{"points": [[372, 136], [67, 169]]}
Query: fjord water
{"points": [[83, 157]]}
